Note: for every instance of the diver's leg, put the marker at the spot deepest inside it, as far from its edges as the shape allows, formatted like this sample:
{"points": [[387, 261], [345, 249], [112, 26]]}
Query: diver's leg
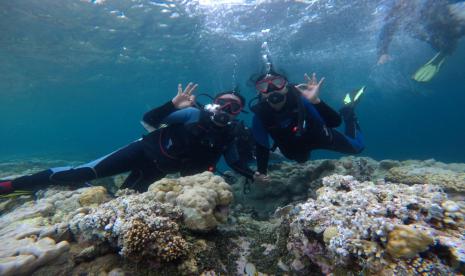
{"points": [[344, 143], [298, 153], [350, 121], [351, 141], [140, 178], [122, 160]]}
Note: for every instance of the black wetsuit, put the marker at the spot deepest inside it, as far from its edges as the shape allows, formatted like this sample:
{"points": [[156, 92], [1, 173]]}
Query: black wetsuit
{"points": [[190, 143], [300, 127]]}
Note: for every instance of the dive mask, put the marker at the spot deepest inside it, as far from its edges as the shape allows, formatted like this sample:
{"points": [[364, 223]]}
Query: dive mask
{"points": [[270, 84], [229, 106]]}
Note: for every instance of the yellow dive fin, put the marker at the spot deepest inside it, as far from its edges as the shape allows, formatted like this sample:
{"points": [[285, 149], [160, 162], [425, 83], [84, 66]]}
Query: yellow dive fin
{"points": [[354, 96], [16, 194], [430, 69]]}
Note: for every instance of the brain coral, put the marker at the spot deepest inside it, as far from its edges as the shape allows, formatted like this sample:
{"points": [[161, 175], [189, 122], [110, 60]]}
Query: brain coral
{"points": [[203, 199]]}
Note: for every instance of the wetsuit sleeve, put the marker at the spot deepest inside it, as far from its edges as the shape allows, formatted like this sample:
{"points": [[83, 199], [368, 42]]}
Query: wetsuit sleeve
{"points": [[263, 156], [313, 112], [260, 133], [183, 116], [155, 116], [262, 144], [330, 116], [232, 159]]}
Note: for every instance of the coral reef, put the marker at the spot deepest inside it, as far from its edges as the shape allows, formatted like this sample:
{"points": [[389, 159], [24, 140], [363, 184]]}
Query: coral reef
{"points": [[94, 196], [204, 199], [291, 182], [364, 226], [406, 241], [419, 174], [65, 230], [24, 255], [343, 217]]}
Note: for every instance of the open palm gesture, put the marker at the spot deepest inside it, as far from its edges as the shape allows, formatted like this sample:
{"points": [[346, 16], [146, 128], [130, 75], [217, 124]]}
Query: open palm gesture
{"points": [[185, 98], [311, 90]]}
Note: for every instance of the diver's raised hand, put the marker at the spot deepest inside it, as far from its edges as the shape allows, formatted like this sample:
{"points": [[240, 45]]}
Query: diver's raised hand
{"points": [[185, 98], [311, 90]]}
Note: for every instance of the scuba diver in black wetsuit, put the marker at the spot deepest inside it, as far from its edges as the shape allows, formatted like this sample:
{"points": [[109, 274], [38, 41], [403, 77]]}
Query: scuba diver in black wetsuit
{"points": [[299, 122], [183, 139], [437, 22]]}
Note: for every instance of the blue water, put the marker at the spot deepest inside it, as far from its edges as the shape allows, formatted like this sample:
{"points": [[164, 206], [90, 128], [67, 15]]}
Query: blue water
{"points": [[76, 77]]}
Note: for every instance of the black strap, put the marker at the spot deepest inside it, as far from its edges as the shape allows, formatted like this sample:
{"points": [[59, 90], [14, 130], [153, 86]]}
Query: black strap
{"points": [[247, 185], [300, 114], [274, 147]]}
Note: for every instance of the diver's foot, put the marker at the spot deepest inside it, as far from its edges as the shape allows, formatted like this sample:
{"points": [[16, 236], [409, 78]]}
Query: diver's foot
{"points": [[348, 112], [6, 187]]}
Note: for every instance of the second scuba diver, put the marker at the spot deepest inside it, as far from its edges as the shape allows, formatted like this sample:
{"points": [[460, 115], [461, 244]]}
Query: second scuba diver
{"points": [[437, 22], [299, 122], [183, 139]]}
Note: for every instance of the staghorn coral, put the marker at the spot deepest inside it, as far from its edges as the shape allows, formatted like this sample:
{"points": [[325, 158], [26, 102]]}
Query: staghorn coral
{"points": [[351, 224]]}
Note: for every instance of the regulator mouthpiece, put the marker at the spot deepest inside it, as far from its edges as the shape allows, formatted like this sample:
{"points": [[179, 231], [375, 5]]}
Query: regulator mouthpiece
{"points": [[212, 107]]}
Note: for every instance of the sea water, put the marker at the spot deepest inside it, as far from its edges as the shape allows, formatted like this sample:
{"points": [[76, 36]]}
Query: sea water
{"points": [[77, 76]]}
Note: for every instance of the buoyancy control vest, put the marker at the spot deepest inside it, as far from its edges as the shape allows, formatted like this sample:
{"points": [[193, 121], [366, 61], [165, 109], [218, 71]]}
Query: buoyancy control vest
{"points": [[189, 148], [286, 125], [294, 128]]}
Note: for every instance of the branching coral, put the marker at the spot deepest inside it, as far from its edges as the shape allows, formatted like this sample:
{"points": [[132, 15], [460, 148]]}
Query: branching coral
{"points": [[165, 244], [138, 225]]}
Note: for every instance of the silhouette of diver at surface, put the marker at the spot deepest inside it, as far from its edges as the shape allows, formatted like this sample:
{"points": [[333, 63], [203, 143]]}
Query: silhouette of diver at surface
{"points": [[436, 22]]}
